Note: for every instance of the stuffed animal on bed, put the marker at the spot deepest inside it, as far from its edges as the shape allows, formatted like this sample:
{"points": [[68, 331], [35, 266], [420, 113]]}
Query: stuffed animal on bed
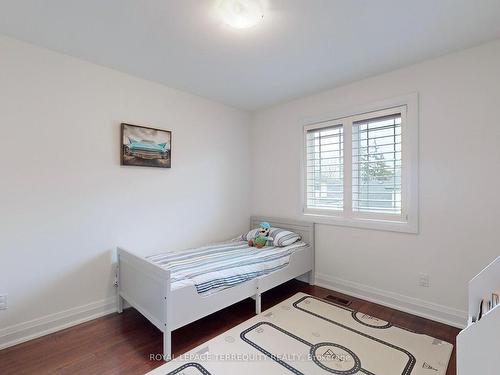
{"points": [[261, 237]]}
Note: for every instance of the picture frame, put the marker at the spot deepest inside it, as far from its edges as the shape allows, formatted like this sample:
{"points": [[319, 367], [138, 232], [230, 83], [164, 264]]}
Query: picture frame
{"points": [[143, 146]]}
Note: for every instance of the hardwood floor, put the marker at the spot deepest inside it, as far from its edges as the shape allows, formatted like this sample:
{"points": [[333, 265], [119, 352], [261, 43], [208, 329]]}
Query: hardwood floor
{"points": [[122, 343]]}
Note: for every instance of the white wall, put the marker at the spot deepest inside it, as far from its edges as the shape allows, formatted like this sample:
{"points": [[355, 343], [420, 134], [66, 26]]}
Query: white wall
{"points": [[66, 202], [459, 184]]}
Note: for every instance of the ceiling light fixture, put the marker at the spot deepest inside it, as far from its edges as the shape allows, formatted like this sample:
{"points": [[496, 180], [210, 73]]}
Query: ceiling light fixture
{"points": [[240, 14]]}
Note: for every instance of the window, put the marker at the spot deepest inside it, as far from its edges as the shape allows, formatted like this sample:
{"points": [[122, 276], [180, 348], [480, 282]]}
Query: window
{"points": [[325, 186], [361, 170], [376, 165]]}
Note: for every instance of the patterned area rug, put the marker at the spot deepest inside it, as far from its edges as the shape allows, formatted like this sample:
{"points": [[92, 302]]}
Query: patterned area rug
{"points": [[308, 335]]}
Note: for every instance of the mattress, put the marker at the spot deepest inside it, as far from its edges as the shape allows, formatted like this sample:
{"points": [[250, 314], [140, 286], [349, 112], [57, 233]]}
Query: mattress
{"points": [[220, 266]]}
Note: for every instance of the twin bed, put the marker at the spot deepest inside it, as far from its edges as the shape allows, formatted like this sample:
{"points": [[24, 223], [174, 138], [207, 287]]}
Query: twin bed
{"points": [[174, 289]]}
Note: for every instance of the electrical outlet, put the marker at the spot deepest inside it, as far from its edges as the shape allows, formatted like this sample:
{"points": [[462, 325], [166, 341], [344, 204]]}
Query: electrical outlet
{"points": [[423, 280], [3, 301]]}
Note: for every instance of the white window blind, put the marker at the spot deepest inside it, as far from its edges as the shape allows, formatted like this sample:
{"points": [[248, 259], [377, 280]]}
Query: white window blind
{"points": [[324, 168], [376, 165], [361, 170]]}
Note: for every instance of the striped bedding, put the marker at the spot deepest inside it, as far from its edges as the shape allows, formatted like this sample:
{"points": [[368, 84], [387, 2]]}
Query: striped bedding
{"points": [[220, 266]]}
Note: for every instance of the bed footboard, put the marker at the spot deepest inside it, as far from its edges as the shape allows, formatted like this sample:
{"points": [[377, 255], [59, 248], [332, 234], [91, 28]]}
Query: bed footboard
{"points": [[146, 287]]}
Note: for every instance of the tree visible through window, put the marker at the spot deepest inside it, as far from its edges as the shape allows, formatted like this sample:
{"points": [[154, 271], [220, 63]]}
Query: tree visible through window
{"points": [[376, 165], [373, 143], [362, 170]]}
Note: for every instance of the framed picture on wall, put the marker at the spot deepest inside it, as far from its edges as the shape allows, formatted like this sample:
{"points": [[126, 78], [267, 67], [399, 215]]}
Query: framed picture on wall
{"points": [[145, 147]]}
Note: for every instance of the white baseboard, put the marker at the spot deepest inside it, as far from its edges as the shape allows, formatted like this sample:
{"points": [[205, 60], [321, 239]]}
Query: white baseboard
{"points": [[32, 329], [415, 306]]}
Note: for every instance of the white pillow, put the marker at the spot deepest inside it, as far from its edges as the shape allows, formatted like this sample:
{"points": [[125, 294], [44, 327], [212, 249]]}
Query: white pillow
{"points": [[281, 237], [250, 235]]}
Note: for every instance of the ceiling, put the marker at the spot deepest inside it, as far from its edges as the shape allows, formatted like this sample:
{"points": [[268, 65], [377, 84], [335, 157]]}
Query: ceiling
{"points": [[301, 46]]}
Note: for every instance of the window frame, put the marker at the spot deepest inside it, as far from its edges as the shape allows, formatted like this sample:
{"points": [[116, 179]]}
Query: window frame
{"points": [[321, 211], [408, 221]]}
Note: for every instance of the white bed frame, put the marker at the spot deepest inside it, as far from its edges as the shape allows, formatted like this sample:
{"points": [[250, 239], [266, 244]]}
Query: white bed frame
{"points": [[146, 286]]}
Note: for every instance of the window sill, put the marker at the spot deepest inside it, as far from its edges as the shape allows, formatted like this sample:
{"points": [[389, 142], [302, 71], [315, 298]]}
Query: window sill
{"points": [[410, 226]]}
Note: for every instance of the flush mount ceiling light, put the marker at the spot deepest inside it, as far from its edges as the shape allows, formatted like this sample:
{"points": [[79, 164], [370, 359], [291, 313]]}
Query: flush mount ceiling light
{"points": [[240, 14]]}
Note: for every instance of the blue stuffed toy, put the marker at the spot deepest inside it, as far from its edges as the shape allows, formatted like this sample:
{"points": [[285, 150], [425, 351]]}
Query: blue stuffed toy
{"points": [[262, 236]]}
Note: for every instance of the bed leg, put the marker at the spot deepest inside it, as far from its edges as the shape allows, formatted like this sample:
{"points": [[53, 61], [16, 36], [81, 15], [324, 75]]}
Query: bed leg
{"points": [[119, 298], [167, 345], [310, 278], [119, 304], [258, 305]]}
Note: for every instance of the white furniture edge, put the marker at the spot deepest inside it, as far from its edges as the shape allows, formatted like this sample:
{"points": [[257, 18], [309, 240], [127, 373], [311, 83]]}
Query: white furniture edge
{"points": [[146, 286], [478, 344], [483, 284], [433, 311]]}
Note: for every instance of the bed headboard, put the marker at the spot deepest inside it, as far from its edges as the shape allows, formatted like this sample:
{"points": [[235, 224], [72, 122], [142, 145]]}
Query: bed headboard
{"points": [[304, 228]]}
